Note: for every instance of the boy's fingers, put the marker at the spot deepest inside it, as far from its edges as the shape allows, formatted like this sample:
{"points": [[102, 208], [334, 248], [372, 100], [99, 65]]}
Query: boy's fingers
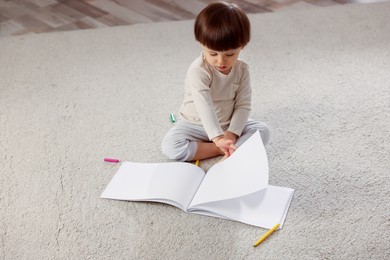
{"points": [[232, 146]]}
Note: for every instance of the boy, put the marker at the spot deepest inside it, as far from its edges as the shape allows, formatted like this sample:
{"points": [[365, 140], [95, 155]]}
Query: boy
{"points": [[217, 99]]}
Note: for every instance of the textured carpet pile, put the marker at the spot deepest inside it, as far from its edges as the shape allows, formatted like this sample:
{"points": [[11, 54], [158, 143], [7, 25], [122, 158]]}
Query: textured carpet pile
{"points": [[320, 80]]}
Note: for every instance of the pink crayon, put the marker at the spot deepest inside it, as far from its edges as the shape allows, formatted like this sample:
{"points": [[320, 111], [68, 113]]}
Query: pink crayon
{"points": [[111, 160]]}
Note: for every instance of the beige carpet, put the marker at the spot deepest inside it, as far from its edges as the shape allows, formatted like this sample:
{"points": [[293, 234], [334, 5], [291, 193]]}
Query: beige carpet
{"points": [[67, 100]]}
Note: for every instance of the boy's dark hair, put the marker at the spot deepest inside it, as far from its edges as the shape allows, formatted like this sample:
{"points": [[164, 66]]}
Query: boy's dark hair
{"points": [[222, 27]]}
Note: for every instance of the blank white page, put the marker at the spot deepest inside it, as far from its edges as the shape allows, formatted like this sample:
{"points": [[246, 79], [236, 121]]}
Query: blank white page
{"points": [[264, 208], [174, 183]]}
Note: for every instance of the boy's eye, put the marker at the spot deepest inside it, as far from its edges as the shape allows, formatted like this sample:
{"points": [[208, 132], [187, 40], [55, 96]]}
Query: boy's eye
{"points": [[213, 54], [229, 54]]}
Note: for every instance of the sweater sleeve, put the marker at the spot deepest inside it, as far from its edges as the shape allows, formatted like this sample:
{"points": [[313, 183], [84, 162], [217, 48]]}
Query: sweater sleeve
{"points": [[199, 83], [242, 105]]}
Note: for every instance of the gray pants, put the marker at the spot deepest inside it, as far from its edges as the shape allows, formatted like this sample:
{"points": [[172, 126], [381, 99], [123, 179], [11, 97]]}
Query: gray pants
{"points": [[180, 143]]}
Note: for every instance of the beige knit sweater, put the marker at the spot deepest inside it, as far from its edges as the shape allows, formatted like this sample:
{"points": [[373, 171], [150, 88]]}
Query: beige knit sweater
{"points": [[218, 102]]}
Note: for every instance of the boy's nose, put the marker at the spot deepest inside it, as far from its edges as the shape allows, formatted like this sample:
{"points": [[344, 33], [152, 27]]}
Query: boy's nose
{"points": [[220, 60]]}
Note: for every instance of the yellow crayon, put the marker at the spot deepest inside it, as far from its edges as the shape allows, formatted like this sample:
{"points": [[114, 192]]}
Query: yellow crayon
{"points": [[258, 242], [197, 163]]}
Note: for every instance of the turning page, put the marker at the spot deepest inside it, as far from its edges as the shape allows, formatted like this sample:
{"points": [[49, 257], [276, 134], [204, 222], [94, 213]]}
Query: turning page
{"points": [[243, 173], [237, 189]]}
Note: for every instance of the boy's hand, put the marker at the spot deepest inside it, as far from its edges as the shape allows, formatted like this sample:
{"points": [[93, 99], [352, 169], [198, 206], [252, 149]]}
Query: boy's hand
{"points": [[226, 145], [230, 136]]}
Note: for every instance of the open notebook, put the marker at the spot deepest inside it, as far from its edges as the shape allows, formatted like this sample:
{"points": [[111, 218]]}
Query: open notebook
{"points": [[236, 188]]}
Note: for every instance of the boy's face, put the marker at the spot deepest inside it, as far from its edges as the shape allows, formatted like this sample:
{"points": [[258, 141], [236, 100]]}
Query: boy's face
{"points": [[222, 61]]}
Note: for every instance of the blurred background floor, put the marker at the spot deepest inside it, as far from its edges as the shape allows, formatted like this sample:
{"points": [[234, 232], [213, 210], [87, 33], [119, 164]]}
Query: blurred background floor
{"points": [[18, 17]]}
